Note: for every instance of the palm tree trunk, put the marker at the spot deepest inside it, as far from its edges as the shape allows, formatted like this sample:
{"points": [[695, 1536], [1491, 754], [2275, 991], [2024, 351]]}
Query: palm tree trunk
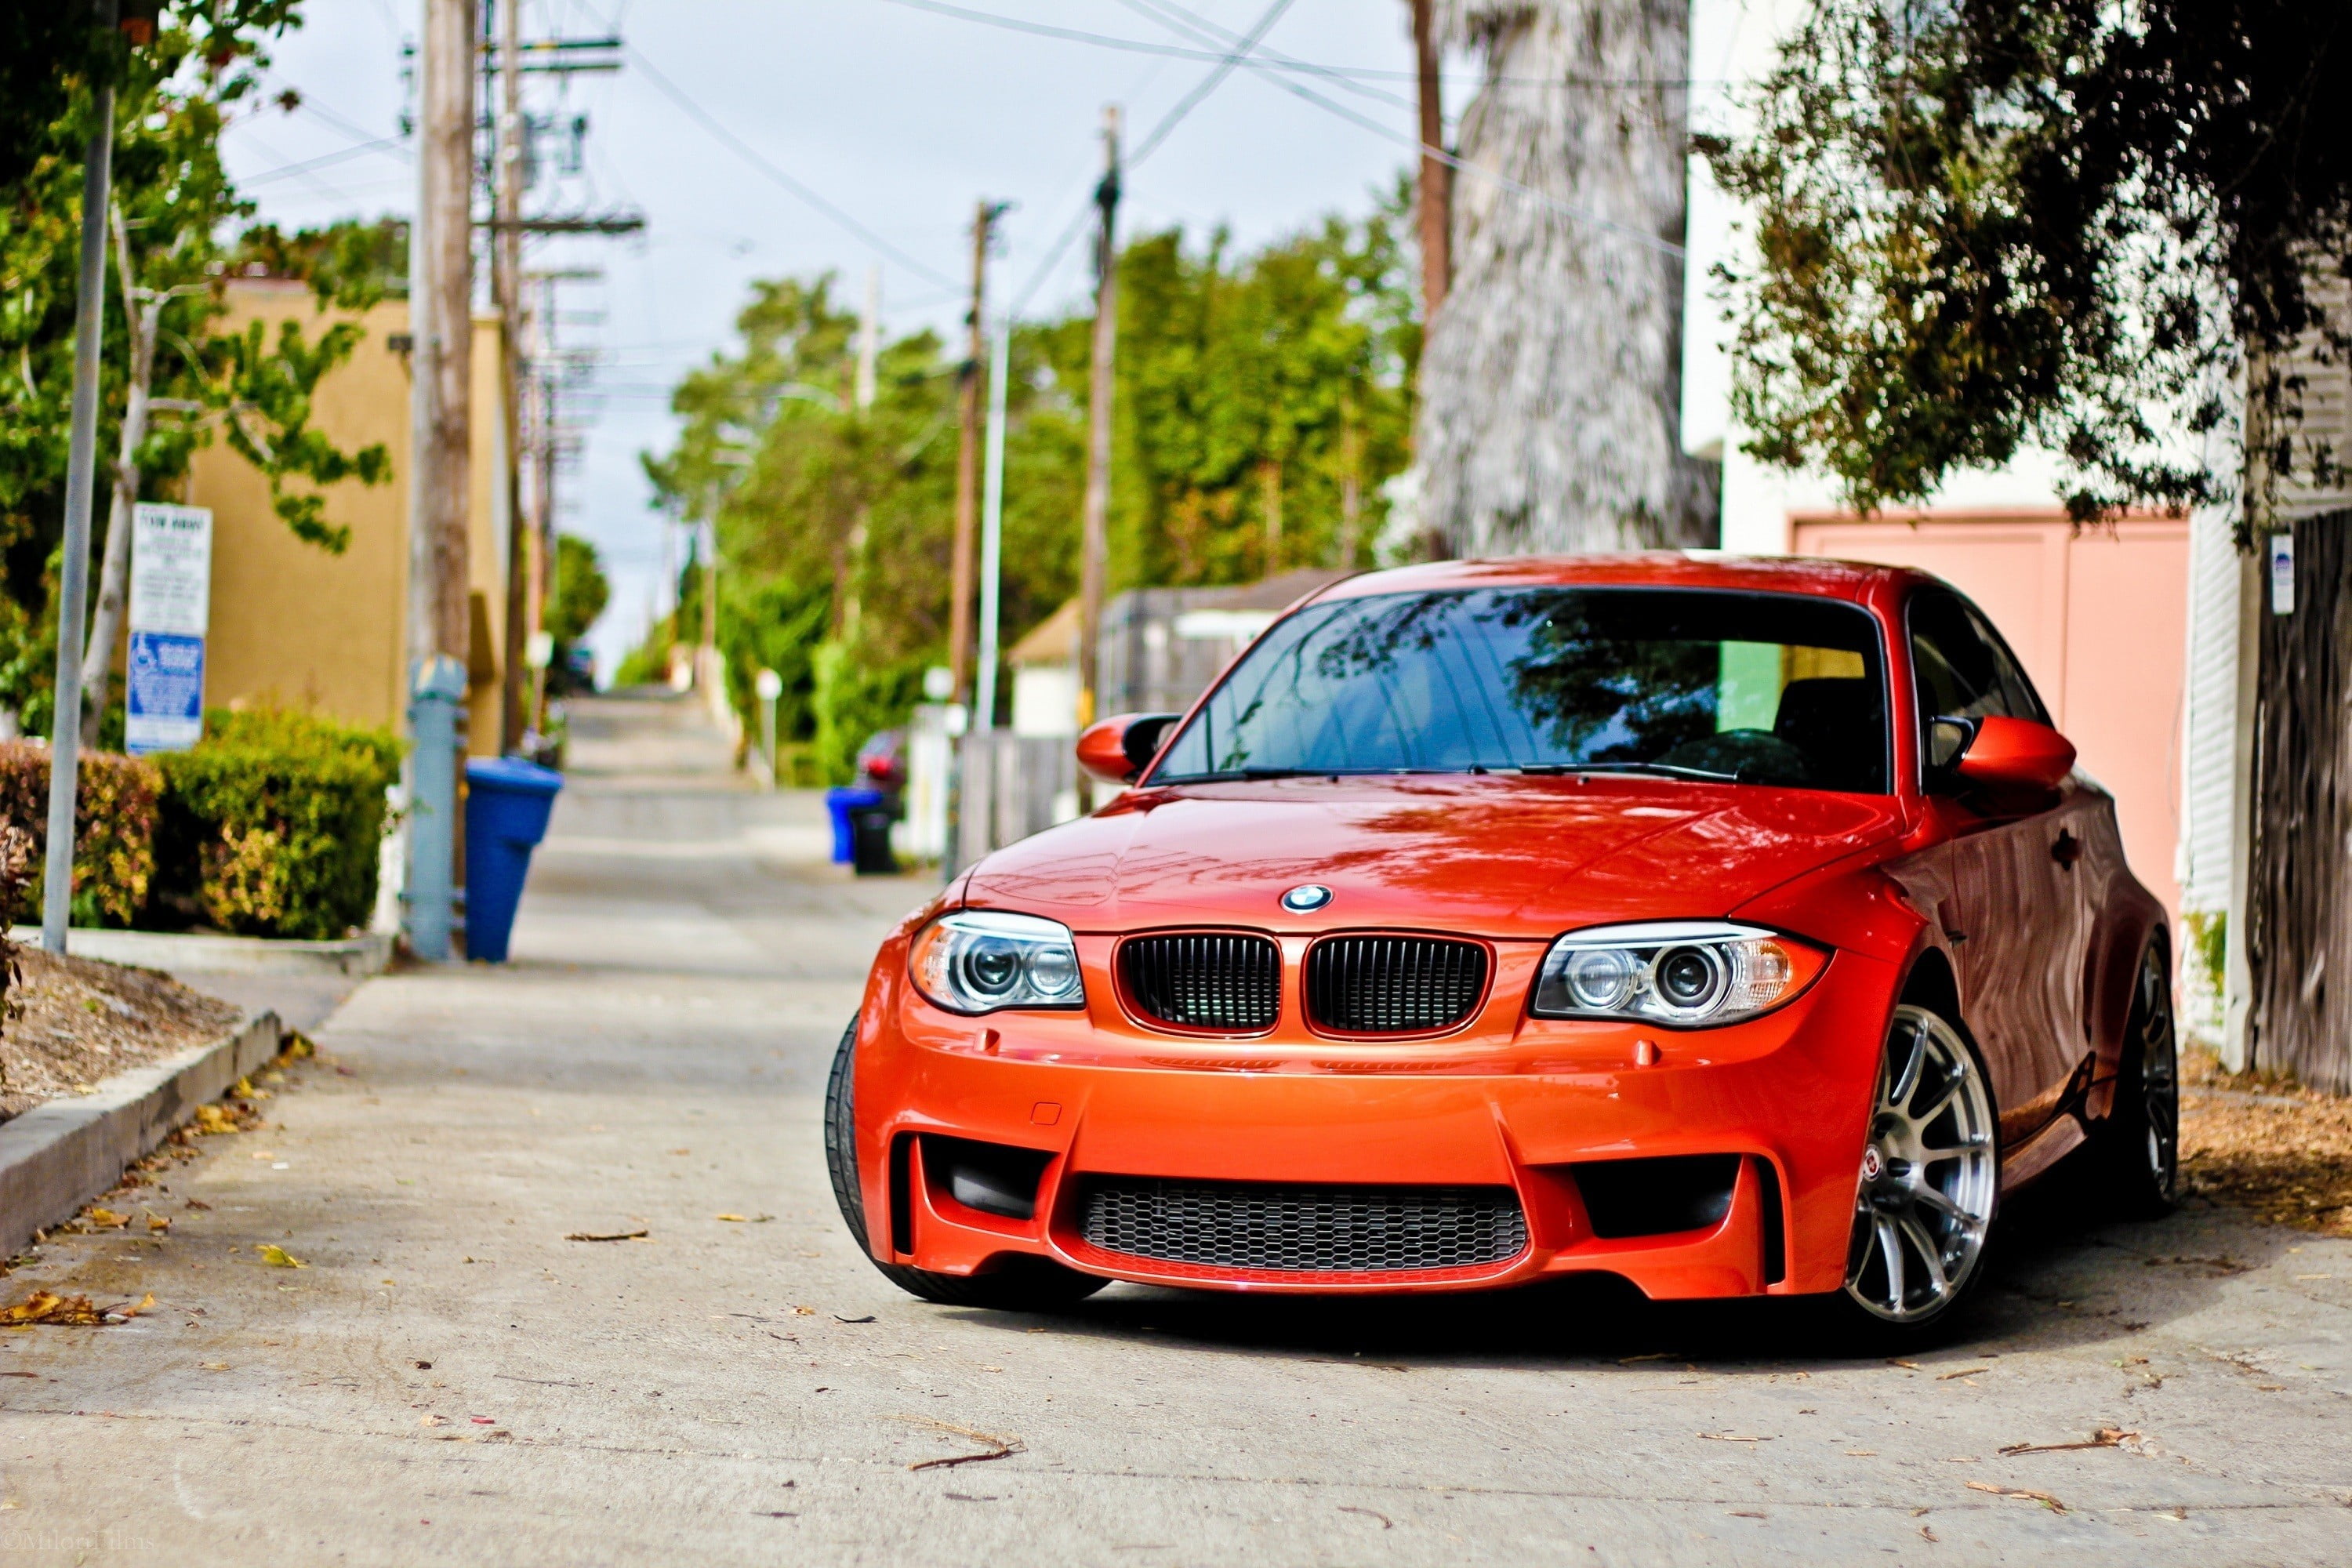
{"points": [[1551, 386]]}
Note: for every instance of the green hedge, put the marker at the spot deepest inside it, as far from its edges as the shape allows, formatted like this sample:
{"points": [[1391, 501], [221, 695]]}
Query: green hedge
{"points": [[114, 828], [272, 822]]}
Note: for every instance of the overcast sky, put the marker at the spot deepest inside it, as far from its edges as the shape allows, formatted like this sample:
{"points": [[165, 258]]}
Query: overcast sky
{"points": [[900, 116]]}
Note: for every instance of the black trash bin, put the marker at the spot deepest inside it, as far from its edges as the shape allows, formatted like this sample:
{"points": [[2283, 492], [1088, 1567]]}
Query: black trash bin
{"points": [[869, 841]]}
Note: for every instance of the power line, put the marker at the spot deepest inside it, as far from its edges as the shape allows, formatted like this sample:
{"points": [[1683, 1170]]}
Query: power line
{"points": [[1361, 73], [751, 155], [1206, 31], [1208, 84], [1225, 64]]}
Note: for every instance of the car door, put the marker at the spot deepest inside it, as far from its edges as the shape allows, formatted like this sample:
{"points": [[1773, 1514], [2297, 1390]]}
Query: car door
{"points": [[2014, 910]]}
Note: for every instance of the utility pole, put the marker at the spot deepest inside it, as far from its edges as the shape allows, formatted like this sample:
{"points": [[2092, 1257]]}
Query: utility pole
{"points": [[441, 307], [441, 326], [506, 277], [992, 530], [1096, 546], [869, 339], [1436, 179], [967, 493], [81, 469]]}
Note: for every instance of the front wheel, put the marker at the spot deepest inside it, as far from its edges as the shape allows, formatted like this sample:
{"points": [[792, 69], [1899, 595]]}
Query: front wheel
{"points": [[1930, 1178], [2139, 1144], [1017, 1284]]}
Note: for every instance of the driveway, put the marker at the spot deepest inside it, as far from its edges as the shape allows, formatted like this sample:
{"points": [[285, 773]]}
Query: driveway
{"points": [[451, 1379]]}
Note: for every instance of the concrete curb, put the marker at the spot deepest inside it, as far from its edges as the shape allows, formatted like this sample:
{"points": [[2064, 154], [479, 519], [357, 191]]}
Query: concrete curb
{"points": [[56, 1157], [174, 952]]}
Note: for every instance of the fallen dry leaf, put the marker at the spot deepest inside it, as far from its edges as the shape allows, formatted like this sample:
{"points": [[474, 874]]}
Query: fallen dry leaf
{"points": [[433, 1421], [1969, 1372], [106, 1219], [158, 1223], [2044, 1498], [2286, 1155], [1734, 1437], [606, 1236], [1344, 1508], [1927, 1534], [998, 1447], [734, 1218], [2105, 1437], [212, 1118], [276, 1256], [69, 1311], [214, 1365]]}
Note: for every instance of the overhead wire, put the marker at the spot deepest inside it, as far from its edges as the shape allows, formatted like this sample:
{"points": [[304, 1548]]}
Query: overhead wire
{"points": [[1150, 143], [1179, 51], [1202, 28], [752, 157]]}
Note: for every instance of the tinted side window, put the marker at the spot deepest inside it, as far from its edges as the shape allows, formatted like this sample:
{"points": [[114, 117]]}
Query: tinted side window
{"points": [[1961, 668]]}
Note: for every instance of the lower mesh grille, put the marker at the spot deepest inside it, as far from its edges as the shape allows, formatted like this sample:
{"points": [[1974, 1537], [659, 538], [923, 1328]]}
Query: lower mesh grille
{"points": [[1393, 985], [1204, 980], [1329, 1230]]}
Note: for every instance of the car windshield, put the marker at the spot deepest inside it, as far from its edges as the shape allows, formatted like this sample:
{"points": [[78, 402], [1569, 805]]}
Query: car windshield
{"points": [[1771, 688]]}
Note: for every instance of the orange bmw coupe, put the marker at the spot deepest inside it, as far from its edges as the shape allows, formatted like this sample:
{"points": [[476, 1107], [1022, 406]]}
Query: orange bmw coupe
{"points": [[1738, 927]]}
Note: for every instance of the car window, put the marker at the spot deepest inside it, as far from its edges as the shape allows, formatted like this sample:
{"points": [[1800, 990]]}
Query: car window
{"points": [[1777, 689], [1961, 668]]}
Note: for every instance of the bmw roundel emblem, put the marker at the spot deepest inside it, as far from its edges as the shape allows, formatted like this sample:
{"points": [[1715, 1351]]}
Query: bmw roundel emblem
{"points": [[1307, 899]]}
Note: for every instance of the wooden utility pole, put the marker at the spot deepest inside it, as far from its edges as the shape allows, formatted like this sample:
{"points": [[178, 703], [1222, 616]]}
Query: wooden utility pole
{"points": [[442, 330], [967, 491], [1095, 561], [1436, 179], [506, 275]]}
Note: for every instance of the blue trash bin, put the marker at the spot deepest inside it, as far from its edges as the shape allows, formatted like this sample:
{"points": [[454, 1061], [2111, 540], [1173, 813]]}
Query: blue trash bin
{"points": [[839, 803], [507, 805]]}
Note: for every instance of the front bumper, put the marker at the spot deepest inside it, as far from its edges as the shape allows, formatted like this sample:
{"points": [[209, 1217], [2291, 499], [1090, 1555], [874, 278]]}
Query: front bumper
{"points": [[1504, 1101]]}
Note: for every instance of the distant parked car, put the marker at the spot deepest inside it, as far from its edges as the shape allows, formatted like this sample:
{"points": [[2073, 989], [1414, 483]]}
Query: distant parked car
{"points": [[882, 762], [1738, 927]]}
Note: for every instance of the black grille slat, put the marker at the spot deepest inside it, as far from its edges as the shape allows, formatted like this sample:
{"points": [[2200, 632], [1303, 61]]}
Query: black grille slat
{"points": [[1393, 985], [1304, 1230], [1204, 980]]}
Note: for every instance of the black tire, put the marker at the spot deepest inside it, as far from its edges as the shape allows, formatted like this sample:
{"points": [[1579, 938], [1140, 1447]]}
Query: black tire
{"points": [[2138, 1145], [1928, 1188], [1016, 1284]]}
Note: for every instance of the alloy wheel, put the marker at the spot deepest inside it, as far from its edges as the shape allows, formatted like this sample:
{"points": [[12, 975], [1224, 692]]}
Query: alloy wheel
{"points": [[1930, 1174]]}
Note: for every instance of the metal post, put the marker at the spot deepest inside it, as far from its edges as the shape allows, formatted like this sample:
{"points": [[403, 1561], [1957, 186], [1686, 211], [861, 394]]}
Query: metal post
{"points": [[992, 530], [767, 686], [437, 719], [81, 464]]}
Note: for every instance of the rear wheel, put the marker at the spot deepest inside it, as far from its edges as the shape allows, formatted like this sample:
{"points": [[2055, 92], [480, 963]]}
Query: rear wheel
{"points": [[1930, 1178], [2140, 1143], [1017, 1284]]}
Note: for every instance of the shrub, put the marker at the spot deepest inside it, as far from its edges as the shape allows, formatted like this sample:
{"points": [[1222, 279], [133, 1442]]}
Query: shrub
{"points": [[272, 822], [114, 827]]}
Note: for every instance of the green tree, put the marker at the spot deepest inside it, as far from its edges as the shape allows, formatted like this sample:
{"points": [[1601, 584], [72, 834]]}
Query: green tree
{"points": [[1262, 401], [172, 379], [1996, 224], [580, 591]]}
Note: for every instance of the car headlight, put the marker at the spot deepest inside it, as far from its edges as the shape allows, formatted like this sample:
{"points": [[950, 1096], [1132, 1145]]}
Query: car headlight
{"points": [[981, 960], [1681, 974]]}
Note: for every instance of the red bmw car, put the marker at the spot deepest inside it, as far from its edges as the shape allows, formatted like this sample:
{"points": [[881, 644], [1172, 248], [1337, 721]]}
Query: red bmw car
{"points": [[1739, 927]]}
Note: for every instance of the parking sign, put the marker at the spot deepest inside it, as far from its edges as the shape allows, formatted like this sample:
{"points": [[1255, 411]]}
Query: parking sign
{"points": [[171, 596]]}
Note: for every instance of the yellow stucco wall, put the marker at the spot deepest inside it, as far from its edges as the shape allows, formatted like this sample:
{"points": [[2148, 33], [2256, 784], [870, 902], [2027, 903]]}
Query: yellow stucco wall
{"points": [[294, 625]]}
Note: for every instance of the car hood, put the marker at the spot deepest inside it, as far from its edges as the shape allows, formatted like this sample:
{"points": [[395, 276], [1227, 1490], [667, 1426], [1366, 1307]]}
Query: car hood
{"points": [[1502, 856]]}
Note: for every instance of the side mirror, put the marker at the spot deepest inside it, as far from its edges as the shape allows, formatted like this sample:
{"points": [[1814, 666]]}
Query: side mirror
{"points": [[2000, 752], [1118, 749]]}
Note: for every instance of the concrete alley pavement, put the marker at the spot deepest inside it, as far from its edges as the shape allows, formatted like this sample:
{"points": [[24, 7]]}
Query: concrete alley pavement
{"points": [[451, 1379]]}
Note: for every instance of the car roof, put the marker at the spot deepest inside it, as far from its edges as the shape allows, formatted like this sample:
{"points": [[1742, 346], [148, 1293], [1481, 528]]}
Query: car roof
{"points": [[1848, 580]]}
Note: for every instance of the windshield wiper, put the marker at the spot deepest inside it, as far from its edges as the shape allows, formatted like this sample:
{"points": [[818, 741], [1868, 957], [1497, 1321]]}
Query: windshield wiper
{"points": [[1661, 770]]}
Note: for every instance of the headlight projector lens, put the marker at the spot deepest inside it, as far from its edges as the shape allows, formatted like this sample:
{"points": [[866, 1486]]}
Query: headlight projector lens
{"points": [[978, 961], [1683, 974]]}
